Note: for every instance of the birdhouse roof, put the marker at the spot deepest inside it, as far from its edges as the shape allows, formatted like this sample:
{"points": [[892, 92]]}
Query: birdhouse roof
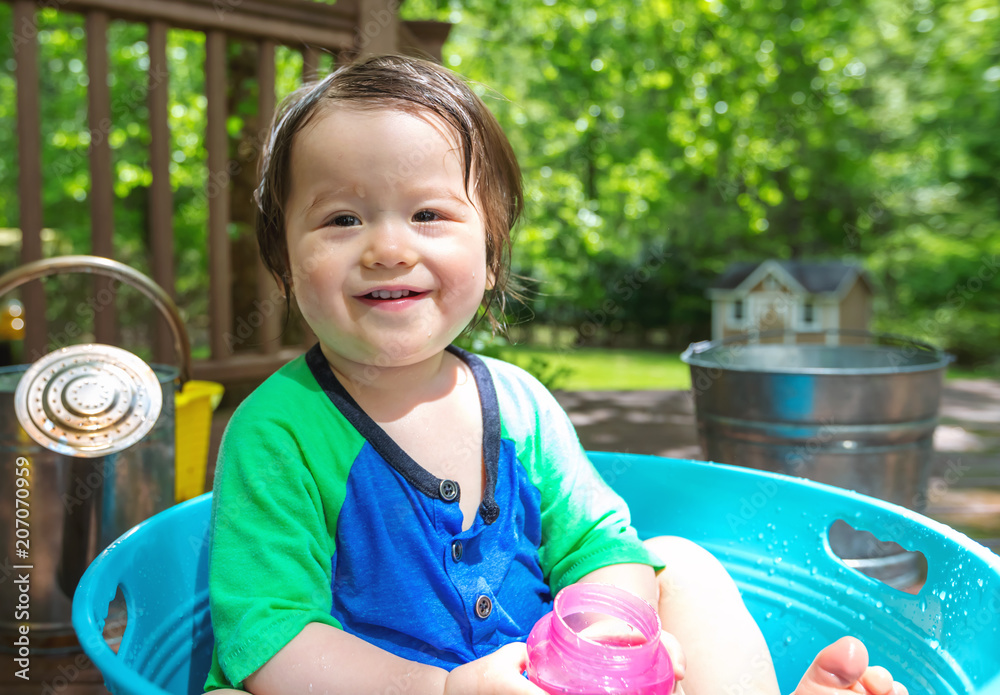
{"points": [[816, 277]]}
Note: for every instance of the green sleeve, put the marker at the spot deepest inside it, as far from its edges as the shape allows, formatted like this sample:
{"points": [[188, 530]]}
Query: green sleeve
{"points": [[585, 524], [272, 536]]}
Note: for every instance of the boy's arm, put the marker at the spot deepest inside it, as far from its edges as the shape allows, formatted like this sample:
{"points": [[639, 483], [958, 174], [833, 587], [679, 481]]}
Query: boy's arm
{"points": [[585, 524], [322, 658], [635, 578]]}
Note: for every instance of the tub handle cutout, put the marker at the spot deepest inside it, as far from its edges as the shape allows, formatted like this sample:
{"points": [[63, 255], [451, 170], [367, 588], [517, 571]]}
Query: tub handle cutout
{"points": [[116, 621], [885, 561]]}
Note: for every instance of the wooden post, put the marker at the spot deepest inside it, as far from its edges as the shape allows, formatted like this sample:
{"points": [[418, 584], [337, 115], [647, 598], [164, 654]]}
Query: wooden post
{"points": [[310, 64], [102, 193], [220, 297], [378, 27], [29, 180], [161, 197]]}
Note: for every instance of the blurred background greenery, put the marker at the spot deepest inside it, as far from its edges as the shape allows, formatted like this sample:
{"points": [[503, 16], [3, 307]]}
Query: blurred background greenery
{"points": [[696, 133]]}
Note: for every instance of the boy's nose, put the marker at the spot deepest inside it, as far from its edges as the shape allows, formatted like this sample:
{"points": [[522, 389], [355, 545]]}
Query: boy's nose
{"points": [[388, 247]]}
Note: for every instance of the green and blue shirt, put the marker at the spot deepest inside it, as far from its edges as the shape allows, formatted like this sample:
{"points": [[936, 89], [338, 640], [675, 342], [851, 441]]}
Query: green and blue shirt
{"points": [[319, 516]]}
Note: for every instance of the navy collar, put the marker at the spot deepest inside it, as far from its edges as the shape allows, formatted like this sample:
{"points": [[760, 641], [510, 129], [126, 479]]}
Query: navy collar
{"points": [[415, 474]]}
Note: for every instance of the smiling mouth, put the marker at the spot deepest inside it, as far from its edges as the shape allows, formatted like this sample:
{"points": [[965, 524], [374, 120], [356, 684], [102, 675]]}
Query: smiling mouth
{"points": [[381, 295]]}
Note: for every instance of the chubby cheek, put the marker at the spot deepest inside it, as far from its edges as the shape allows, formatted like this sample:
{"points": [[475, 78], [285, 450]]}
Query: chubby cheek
{"points": [[317, 288], [307, 297], [466, 280]]}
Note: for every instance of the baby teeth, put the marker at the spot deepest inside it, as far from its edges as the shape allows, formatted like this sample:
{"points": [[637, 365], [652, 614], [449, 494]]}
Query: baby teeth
{"points": [[390, 294]]}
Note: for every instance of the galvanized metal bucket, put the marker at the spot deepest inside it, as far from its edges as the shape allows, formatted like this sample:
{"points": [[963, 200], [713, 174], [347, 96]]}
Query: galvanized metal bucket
{"points": [[89, 433], [857, 410]]}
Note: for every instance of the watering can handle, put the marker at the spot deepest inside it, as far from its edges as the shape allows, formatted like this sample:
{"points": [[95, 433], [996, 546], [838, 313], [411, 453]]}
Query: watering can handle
{"points": [[113, 269]]}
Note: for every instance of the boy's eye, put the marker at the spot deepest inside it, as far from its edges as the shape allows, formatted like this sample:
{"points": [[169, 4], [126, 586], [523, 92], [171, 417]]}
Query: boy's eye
{"points": [[344, 221], [426, 216]]}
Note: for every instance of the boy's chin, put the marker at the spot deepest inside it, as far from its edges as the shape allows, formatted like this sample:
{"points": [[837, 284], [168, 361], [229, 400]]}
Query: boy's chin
{"points": [[388, 354]]}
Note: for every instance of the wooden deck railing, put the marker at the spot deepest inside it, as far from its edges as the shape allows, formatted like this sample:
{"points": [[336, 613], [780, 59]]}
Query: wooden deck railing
{"points": [[344, 29]]}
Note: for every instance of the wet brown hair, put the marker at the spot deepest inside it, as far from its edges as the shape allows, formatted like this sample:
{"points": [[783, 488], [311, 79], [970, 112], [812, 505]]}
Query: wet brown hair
{"points": [[417, 86]]}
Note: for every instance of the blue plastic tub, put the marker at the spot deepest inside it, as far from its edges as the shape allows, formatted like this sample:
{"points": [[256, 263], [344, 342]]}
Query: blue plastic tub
{"points": [[769, 530]]}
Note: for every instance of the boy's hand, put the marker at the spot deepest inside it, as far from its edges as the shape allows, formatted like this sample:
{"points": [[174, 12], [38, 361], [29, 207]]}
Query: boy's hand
{"points": [[496, 674], [677, 659]]}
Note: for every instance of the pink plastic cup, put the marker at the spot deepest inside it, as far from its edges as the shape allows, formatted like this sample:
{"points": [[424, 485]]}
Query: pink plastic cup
{"points": [[562, 659]]}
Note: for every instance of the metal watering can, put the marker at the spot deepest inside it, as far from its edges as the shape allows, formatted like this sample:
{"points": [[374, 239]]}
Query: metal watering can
{"points": [[87, 435]]}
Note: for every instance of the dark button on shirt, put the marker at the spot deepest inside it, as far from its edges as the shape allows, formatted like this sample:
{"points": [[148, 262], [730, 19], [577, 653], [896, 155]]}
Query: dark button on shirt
{"points": [[484, 606], [456, 551], [448, 490]]}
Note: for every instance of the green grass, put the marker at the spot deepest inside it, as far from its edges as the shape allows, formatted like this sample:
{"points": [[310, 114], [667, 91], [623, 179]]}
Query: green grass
{"points": [[598, 369], [987, 372], [601, 369]]}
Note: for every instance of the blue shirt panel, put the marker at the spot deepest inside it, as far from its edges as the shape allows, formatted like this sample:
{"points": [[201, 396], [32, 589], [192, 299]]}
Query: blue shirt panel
{"points": [[397, 585]]}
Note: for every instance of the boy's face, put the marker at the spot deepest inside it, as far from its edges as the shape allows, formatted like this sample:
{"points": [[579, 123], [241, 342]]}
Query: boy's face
{"points": [[388, 254]]}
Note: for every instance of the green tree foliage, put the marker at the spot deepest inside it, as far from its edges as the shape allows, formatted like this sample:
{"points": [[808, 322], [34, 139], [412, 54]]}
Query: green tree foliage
{"points": [[721, 131]]}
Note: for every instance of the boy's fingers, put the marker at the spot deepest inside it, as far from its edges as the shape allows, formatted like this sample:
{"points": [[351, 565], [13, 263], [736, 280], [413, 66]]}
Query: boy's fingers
{"points": [[514, 654], [511, 660], [676, 654]]}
